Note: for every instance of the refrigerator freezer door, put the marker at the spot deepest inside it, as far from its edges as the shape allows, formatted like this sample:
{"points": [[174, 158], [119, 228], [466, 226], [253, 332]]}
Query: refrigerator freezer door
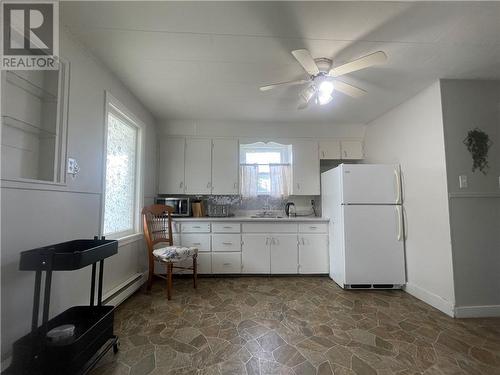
{"points": [[374, 251], [371, 184]]}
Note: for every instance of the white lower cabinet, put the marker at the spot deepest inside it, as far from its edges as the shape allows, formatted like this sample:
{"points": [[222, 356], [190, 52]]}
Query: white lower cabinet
{"points": [[198, 240], [226, 262], [269, 253], [262, 248], [204, 263], [284, 253], [256, 253], [313, 253], [226, 242]]}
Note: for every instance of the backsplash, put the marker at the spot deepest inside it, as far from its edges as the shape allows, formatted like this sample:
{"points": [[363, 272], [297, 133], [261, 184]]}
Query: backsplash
{"points": [[239, 205]]}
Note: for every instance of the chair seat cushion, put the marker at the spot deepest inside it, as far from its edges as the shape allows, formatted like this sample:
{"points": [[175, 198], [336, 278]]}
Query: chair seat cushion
{"points": [[174, 253]]}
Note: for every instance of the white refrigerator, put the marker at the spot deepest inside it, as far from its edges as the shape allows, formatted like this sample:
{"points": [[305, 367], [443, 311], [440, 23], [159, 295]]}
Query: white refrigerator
{"points": [[364, 205]]}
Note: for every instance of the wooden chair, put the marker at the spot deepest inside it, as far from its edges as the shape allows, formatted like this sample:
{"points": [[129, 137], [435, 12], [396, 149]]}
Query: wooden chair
{"points": [[157, 222]]}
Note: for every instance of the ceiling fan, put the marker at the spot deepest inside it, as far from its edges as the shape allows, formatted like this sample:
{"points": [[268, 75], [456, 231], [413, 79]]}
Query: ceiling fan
{"points": [[323, 77]]}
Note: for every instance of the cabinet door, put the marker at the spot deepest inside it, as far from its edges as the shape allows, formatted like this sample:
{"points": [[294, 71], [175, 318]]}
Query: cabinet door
{"points": [[171, 176], [198, 166], [305, 168], [313, 253], [256, 257], [329, 150], [284, 257], [225, 163], [204, 262], [352, 150]]}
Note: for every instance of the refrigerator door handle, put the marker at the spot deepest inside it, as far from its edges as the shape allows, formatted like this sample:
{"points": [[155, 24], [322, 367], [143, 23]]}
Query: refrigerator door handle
{"points": [[397, 175], [405, 223], [400, 223]]}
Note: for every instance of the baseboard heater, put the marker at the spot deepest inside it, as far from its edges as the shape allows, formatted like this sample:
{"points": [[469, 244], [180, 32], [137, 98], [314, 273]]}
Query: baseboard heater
{"points": [[124, 290], [372, 286]]}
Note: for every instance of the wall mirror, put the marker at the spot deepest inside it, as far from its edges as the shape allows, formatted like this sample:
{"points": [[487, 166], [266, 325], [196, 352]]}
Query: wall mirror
{"points": [[34, 124]]}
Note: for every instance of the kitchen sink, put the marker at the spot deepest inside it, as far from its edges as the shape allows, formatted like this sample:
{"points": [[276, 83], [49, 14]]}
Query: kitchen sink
{"points": [[266, 216]]}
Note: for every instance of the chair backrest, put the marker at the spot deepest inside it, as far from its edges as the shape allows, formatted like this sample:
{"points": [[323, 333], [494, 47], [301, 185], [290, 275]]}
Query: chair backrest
{"points": [[157, 223]]}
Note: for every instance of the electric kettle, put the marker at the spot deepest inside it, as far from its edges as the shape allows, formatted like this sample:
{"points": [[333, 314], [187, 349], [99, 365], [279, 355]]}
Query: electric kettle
{"points": [[290, 209]]}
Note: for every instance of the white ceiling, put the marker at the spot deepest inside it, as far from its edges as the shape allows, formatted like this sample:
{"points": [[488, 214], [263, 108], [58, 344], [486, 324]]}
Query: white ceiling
{"points": [[206, 60]]}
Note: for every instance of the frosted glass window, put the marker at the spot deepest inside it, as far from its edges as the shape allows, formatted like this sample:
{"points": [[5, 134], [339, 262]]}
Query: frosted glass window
{"points": [[121, 176]]}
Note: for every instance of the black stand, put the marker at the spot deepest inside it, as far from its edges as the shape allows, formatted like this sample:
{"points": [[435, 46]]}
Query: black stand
{"points": [[93, 338]]}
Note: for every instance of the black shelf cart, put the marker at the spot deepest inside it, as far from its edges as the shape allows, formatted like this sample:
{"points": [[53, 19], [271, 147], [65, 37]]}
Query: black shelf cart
{"points": [[93, 337]]}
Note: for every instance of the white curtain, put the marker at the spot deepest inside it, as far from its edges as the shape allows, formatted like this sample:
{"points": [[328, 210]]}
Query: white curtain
{"points": [[249, 179], [280, 175]]}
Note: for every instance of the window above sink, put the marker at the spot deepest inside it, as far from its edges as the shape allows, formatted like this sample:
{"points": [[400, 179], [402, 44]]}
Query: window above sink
{"points": [[265, 169]]}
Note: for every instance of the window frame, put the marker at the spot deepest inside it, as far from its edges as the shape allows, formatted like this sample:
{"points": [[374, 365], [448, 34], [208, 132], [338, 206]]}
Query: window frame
{"points": [[114, 106], [284, 149]]}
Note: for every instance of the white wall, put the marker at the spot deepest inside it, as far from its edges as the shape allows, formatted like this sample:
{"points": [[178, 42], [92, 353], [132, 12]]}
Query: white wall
{"points": [[44, 214], [475, 211], [261, 130], [412, 135]]}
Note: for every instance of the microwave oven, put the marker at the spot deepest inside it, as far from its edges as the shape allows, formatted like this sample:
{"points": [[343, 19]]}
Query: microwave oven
{"points": [[181, 206]]}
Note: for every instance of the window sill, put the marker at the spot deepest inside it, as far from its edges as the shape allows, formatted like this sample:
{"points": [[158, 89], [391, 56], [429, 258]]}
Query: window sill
{"points": [[122, 241]]}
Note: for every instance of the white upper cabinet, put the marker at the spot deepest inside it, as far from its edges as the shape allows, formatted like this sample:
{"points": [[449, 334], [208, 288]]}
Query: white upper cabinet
{"points": [[171, 176], [305, 168], [198, 166], [329, 150], [352, 150], [225, 164], [338, 150]]}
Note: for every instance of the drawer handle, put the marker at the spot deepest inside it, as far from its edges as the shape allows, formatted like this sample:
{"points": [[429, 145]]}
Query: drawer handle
{"points": [[226, 264], [196, 226], [313, 227], [227, 243], [197, 243], [228, 227]]}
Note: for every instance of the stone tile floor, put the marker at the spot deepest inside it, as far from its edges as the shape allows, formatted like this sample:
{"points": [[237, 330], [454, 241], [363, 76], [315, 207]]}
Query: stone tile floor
{"points": [[296, 326]]}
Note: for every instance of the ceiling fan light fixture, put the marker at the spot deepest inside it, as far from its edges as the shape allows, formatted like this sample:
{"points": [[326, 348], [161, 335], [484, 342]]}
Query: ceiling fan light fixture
{"points": [[324, 99], [326, 88], [325, 91], [307, 94]]}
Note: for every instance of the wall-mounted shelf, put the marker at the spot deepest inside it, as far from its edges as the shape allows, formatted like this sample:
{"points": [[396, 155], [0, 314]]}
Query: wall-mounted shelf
{"points": [[30, 87], [27, 127]]}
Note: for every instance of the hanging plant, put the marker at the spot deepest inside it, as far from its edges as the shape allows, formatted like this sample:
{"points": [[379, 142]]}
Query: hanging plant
{"points": [[478, 143]]}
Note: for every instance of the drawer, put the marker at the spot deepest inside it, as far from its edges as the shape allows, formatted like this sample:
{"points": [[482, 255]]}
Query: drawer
{"points": [[270, 228], [201, 241], [226, 227], [313, 228], [204, 263], [226, 262], [226, 242], [195, 227]]}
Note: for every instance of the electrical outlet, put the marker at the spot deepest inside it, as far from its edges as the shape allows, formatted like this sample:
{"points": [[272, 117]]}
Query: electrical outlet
{"points": [[73, 167], [462, 181]]}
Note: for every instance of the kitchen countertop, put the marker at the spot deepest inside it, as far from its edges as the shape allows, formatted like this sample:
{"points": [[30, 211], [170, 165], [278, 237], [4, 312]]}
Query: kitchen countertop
{"points": [[256, 219]]}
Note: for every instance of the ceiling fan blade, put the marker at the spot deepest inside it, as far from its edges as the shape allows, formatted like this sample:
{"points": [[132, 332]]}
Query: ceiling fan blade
{"points": [[305, 59], [279, 84], [361, 63], [348, 89]]}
